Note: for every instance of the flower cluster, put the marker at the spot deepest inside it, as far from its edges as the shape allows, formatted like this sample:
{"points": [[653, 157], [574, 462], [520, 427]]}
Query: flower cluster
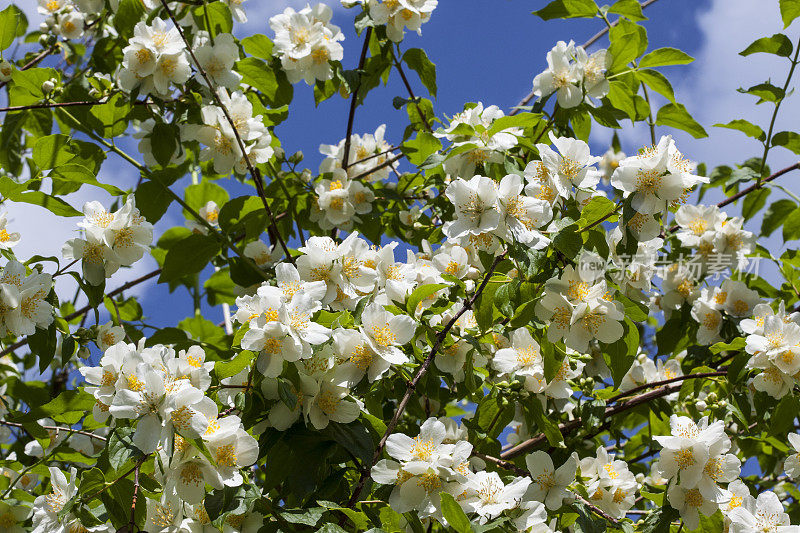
{"points": [[573, 75], [340, 200], [154, 58], [67, 18], [774, 342], [474, 141], [110, 240], [695, 457], [610, 485], [221, 145], [713, 235], [397, 15], [307, 42], [367, 153], [23, 300]]}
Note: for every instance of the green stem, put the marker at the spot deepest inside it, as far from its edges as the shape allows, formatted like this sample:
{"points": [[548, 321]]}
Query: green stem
{"points": [[768, 140]]}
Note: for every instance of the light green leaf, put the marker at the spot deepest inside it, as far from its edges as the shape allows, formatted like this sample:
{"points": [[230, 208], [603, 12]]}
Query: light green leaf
{"points": [[271, 83], [790, 10], [214, 17], [661, 57], [748, 128], [454, 514], [258, 45], [596, 209], [562, 9], [788, 139], [74, 173], [778, 44], [658, 82], [226, 369], [753, 203], [765, 91], [418, 61], [628, 8], [13, 24], [26, 88], [628, 41], [676, 116], [128, 14], [199, 194], [421, 147], [421, 293]]}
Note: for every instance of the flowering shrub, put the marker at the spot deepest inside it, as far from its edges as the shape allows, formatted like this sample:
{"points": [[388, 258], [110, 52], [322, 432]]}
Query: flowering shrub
{"points": [[472, 325]]}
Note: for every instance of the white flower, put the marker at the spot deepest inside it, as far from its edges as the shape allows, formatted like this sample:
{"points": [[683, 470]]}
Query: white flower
{"points": [[572, 166], [523, 358], [533, 519], [6, 69], [47, 507], [367, 152], [611, 486], [231, 452], [385, 332], [328, 403], [767, 514], [475, 202], [262, 254], [70, 25], [562, 76], [609, 163], [792, 464], [592, 68], [399, 15], [210, 213], [108, 335], [690, 503], [154, 58], [217, 60], [488, 496], [697, 223], [522, 215], [549, 484], [12, 517], [165, 515], [709, 320]]}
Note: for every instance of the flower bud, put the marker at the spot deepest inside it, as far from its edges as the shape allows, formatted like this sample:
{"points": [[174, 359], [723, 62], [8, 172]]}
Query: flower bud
{"points": [[306, 176], [296, 157], [48, 86], [279, 153], [83, 352], [6, 69]]}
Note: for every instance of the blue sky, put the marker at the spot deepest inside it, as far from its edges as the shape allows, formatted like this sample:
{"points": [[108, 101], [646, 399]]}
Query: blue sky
{"points": [[489, 51]]}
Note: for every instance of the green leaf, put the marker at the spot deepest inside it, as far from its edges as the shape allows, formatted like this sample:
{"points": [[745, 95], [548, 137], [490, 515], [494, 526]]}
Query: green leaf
{"points": [[546, 425], [676, 116], [199, 194], [152, 200], [226, 369], [778, 44], [561, 9], [258, 45], [662, 57], [120, 447], [622, 353], [659, 520], [753, 203], [271, 83], [454, 514], [597, 208], [55, 205], [628, 41], [26, 88], [129, 309], [658, 82], [628, 8], [214, 17], [421, 293], [354, 437], [791, 226], [13, 24], [776, 214], [765, 91], [79, 174], [748, 128], [418, 61], [568, 241], [188, 256], [164, 141], [788, 139], [128, 14], [91, 482], [790, 10], [421, 147], [782, 418], [113, 116]]}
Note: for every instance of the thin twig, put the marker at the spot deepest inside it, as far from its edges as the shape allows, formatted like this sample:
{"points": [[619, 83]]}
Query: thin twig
{"points": [[257, 179], [35, 60], [399, 68], [587, 44], [351, 116], [55, 428], [412, 385]]}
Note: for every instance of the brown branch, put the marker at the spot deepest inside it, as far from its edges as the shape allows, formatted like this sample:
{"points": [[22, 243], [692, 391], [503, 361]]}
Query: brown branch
{"points": [[85, 309], [385, 164], [748, 190], [55, 428], [257, 179], [587, 44], [572, 425], [351, 116], [657, 384], [412, 385], [399, 68], [35, 60], [51, 105]]}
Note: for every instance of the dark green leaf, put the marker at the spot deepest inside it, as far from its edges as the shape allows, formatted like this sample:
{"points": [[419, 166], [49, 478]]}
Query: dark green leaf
{"points": [[418, 61], [658, 82], [189, 256], [788, 139], [628, 8], [558, 9], [778, 44], [775, 215]]}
